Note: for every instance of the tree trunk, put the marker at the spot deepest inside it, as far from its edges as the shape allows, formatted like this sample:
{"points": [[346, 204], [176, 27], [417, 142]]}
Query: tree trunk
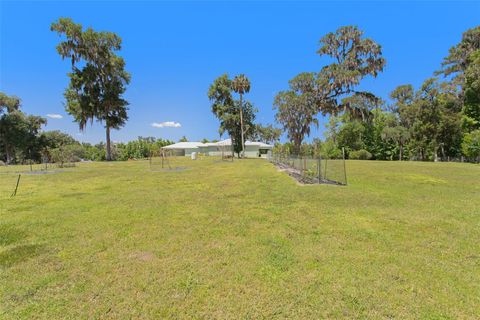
{"points": [[231, 147], [241, 126], [9, 153], [297, 144], [109, 150], [400, 156]]}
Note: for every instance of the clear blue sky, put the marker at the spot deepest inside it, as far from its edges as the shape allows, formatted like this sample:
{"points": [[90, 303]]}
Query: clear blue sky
{"points": [[175, 50]]}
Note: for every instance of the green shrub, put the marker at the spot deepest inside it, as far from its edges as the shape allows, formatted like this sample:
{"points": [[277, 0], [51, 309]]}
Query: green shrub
{"points": [[360, 155], [330, 150], [68, 153], [471, 145]]}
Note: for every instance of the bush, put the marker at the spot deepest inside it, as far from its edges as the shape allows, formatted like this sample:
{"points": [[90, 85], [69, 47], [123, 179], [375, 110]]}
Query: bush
{"points": [[68, 153], [471, 145], [330, 150], [360, 155], [94, 153]]}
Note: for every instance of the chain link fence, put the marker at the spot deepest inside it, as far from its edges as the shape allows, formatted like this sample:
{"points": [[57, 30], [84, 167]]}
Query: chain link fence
{"points": [[312, 170]]}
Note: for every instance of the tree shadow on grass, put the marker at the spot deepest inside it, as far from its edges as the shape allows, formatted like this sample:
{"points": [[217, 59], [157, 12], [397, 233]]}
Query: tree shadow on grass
{"points": [[10, 235], [19, 254]]}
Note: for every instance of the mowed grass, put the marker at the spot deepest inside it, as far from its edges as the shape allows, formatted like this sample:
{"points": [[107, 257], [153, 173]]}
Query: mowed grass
{"points": [[225, 240]]}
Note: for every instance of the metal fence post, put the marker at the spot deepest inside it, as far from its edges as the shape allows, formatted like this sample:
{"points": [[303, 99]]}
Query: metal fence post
{"points": [[319, 166], [302, 168], [305, 165], [325, 170]]}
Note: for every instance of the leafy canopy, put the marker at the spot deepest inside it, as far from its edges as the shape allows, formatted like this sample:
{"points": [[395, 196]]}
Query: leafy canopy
{"points": [[326, 92], [458, 59], [8, 103], [98, 78]]}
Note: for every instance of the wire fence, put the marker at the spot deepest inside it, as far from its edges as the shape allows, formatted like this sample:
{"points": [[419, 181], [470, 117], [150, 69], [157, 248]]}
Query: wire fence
{"points": [[32, 167], [312, 170], [167, 160]]}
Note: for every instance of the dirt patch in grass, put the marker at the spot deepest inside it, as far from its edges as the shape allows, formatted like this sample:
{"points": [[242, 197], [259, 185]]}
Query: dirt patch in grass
{"points": [[43, 172], [32, 172], [142, 256], [176, 169]]}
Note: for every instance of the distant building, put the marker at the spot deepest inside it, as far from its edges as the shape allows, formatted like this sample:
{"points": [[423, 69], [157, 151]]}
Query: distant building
{"points": [[252, 149]]}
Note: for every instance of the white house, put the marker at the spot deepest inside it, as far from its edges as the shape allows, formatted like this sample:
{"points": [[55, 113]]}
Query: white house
{"points": [[252, 149]]}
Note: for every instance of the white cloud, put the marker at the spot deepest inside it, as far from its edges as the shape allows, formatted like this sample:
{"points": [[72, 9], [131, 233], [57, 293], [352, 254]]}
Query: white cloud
{"points": [[54, 116], [165, 124]]}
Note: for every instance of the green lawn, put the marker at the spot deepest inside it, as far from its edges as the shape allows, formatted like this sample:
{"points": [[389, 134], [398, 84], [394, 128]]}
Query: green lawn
{"points": [[241, 240]]}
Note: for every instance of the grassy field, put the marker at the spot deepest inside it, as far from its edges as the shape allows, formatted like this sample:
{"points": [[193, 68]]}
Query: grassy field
{"points": [[241, 240]]}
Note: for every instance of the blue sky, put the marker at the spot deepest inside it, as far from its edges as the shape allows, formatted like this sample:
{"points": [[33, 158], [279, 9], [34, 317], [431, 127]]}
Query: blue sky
{"points": [[174, 50]]}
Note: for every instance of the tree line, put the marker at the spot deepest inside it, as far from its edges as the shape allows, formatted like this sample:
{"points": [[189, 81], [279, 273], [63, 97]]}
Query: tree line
{"points": [[21, 142], [440, 120]]}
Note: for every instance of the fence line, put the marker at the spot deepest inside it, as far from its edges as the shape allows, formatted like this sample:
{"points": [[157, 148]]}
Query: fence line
{"points": [[312, 170]]}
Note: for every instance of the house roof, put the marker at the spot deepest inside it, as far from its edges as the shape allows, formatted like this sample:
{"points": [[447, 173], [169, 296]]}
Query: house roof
{"points": [[184, 145], [260, 144], [226, 142]]}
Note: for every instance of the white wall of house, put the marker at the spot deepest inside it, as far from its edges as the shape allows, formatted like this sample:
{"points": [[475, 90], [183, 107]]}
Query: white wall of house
{"points": [[211, 150], [188, 152], [251, 151]]}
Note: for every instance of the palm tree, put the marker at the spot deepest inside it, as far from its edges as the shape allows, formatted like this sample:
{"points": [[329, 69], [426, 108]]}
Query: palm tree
{"points": [[241, 85]]}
